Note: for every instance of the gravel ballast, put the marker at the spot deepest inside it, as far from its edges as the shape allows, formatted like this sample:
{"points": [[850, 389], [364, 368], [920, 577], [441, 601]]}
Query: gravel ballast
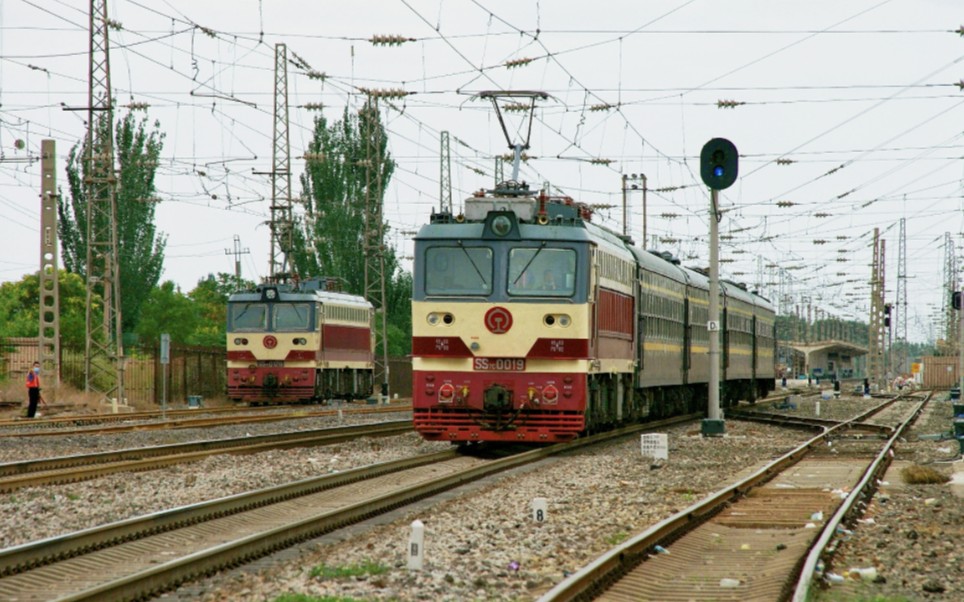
{"points": [[481, 542]]}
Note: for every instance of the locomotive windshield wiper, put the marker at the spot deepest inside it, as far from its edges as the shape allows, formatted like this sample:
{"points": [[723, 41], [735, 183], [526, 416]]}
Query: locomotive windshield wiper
{"points": [[528, 263], [475, 267]]}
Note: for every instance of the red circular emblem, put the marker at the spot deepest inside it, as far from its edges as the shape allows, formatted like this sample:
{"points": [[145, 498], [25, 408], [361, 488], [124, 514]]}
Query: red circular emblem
{"points": [[270, 342], [498, 320]]}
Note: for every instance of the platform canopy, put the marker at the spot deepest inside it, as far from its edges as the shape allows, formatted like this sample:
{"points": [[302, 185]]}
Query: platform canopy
{"points": [[830, 357]]}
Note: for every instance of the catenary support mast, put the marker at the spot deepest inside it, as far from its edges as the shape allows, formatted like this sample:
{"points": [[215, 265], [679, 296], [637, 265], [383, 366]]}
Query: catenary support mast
{"points": [[104, 347], [49, 281]]}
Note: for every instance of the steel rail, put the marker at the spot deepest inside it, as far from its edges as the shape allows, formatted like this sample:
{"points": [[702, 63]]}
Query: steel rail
{"points": [[861, 494], [70, 469], [598, 575], [78, 419], [194, 422], [18, 561]]}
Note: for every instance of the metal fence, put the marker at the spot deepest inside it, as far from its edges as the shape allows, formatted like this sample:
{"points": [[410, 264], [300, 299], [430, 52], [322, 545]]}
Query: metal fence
{"points": [[192, 370]]}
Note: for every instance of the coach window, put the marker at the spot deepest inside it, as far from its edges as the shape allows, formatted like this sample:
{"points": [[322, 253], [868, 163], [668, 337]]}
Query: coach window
{"points": [[458, 271], [249, 316], [292, 317], [542, 272]]}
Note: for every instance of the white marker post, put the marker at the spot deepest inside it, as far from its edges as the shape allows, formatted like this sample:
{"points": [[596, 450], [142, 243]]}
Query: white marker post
{"points": [[654, 445], [540, 509], [416, 546]]}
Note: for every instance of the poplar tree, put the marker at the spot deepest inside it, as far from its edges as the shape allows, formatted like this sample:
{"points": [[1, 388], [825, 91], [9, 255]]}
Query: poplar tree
{"points": [[331, 239], [140, 247]]}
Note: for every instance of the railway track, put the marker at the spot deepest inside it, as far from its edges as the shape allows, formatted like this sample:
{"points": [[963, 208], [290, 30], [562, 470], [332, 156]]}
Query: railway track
{"points": [[74, 468], [761, 538], [142, 556], [183, 420]]}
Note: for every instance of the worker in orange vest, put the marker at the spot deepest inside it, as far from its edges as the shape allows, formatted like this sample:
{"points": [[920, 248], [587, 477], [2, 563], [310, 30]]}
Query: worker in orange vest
{"points": [[33, 389]]}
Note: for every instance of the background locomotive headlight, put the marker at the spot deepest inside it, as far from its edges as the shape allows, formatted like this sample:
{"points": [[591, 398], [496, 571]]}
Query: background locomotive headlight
{"points": [[433, 318]]}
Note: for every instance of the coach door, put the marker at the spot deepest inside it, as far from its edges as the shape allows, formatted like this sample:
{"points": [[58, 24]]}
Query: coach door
{"points": [[640, 328], [687, 339], [753, 351]]}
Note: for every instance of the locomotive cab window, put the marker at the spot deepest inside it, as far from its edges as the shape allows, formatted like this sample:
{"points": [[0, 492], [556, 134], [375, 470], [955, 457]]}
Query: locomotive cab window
{"points": [[458, 271], [542, 272], [292, 317], [249, 316]]}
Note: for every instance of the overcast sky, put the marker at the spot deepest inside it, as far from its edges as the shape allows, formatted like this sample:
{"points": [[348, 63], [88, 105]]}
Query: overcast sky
{"points": [[859, 100]]}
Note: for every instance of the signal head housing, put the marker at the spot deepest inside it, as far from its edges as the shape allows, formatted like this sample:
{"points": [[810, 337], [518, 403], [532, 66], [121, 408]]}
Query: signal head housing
{"points": [[719, 163]]}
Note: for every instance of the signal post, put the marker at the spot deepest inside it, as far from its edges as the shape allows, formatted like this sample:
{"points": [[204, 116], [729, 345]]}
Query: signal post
{"points": [[718, 170]]}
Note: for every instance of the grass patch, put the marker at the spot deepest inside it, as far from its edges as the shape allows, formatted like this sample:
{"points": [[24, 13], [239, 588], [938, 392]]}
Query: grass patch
{"points": [[617, 538], [307, 598], [831, 596], [366, 567], [922, 475]]}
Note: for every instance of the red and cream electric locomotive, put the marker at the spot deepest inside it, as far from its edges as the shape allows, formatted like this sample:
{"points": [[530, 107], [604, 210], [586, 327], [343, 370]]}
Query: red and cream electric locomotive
{"points": [[532, 324], [289, 343]]}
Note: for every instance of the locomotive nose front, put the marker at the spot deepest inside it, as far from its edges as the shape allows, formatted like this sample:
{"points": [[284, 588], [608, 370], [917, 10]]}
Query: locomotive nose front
{"points": [[496, 399]]}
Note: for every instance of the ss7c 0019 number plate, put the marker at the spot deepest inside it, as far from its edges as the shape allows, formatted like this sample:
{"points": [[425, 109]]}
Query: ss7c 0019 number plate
{"points": [[499, 364]]}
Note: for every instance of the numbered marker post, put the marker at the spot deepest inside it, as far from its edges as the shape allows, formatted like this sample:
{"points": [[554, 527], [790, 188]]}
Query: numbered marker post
{"points": [[655, 445], [540, 509], [416, 546], [816, 408]]}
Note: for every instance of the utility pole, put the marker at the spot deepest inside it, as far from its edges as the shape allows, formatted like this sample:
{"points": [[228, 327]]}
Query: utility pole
{"points": [[237, 252], [49, 279], [104, 347], [282, 225], [445, 175], [627, 186], [375, 239]]}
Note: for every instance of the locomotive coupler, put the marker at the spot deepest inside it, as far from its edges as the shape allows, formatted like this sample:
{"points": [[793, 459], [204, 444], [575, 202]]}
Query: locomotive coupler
{"points": [[497, 400]]}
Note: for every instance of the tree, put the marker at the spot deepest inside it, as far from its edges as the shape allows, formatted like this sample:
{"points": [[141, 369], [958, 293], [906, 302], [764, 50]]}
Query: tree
{"points": [[334, 192], [20, 308], [167, 310], [140, 247], [210, 297]]}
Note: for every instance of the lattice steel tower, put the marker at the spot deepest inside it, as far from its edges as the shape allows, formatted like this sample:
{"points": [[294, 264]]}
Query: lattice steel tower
{"points": [[902, 318], [282, 220], [104, 349], [950, 284], [445, 175], [875, 330], [375, 236]]}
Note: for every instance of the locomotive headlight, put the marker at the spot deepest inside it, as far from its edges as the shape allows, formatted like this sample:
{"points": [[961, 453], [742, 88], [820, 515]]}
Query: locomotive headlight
{"points": [[238, 341], [433, 318], [501, 225], [564, 320], [448, 319]]}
